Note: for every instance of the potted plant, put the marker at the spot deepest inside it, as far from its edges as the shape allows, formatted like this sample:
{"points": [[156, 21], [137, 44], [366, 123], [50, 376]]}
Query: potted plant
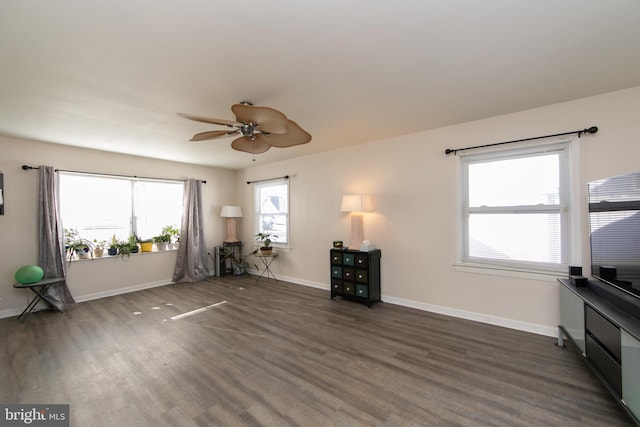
{"points": [[98, 249], [146, 245], [265, 242], [174, 234], [128, 247], [113, 246], [162, 240], [238, 263], [132, 242], [76, 245]]}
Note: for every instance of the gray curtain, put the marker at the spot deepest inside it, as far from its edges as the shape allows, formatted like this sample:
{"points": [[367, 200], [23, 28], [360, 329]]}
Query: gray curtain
{"points": [[191, 262], [50, 242]]}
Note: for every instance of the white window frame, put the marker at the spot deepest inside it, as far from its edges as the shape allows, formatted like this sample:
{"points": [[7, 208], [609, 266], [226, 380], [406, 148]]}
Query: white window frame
{"points": [[259, 214], [569, 208]]}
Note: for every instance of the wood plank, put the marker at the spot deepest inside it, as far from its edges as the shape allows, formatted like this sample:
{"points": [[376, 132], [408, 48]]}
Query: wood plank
{"points": [[283, 354]]}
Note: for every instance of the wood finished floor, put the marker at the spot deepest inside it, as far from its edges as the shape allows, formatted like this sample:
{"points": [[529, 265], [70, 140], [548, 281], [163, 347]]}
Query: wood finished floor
{"points": [[279, 354]]}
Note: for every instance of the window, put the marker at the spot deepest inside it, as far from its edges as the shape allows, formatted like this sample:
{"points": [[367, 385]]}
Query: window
{"points": [[272, 210], [100, 206], [517, 208]]}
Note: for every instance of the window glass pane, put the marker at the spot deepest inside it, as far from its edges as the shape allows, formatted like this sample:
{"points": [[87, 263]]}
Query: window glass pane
{"points": [[97, 207], [511, 182], [515, 237], [273, 206], [517, 209], [157, 204]]}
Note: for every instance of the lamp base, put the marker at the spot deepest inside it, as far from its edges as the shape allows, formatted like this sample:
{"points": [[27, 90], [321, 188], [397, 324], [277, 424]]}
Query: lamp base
{"points": [[231, 231], [357, 231]]}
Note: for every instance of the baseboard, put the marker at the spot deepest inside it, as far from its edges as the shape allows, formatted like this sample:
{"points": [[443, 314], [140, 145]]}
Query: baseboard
{"points": [[295, 280], [447, 311], [10, 312], [476, 317], [120, 291]]}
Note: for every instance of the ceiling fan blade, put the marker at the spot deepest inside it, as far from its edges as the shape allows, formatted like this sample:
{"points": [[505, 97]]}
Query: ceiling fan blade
{"points": [[295, 136], [256, 146], [213, 134], [268, 119], [202, 119]]}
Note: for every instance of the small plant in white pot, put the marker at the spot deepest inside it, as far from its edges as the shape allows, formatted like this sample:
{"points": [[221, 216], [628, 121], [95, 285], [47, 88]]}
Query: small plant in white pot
{"points": [[174, 234], [162, 241], [98, 249], [76, 245]]}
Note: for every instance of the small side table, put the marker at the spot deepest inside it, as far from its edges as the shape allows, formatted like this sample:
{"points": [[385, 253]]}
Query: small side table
{"points": [[37, 288], [266, 261]]}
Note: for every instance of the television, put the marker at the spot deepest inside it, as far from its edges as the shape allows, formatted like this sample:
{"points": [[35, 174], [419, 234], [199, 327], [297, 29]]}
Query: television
{"points": [[614, 226]]}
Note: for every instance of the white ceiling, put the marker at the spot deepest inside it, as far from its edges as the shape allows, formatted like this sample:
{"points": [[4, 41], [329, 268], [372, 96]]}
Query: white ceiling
{"points": [[112, 74]]}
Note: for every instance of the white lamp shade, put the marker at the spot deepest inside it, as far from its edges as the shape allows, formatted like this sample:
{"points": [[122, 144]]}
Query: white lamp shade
{"points": [[231, 212], [356, 203]]}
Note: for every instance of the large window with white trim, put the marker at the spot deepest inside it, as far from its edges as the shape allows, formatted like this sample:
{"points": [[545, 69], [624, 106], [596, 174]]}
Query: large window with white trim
{"points": [[516, 208], [272, 210], [99, 206]]}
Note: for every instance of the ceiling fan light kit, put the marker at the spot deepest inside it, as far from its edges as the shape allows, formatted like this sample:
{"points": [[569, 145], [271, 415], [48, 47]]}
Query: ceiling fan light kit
{"points": [[261, 129]]}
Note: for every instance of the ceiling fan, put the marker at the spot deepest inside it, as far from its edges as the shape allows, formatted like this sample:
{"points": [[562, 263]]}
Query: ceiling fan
{"points": [[261, 129]]}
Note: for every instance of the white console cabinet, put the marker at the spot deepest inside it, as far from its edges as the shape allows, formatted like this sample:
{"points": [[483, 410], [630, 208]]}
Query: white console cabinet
{"points": [[608, 339]]}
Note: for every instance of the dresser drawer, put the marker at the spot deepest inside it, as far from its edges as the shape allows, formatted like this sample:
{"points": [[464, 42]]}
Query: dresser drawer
{"points": [[604, 331], [348, 273], [362, 276], [336, 285], [336, 258], [349, 288], [336, 272], [361, 260], [348, 259], [605, 364], [362, 291]]}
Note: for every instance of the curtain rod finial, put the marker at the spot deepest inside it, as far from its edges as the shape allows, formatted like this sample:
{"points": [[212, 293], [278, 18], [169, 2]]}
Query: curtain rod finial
{"points": [[592, 129]]}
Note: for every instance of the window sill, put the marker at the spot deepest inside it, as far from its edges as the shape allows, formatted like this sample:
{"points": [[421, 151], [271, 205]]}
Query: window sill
{"points": [[105, 256], [493, 270]]}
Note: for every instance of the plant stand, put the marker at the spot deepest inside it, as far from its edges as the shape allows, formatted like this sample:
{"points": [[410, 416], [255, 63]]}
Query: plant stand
{"points": [[266, 261], [236, 248]]}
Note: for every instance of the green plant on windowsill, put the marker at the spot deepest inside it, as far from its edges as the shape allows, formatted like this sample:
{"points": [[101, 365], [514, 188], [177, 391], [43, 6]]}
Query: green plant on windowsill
{"points": [[76, 245], [128, 247], [99, 247], [146, 245], [173, 232], [162, 240], [113, 246]]}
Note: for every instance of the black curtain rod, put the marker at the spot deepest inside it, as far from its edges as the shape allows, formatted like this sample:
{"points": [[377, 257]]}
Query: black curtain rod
{"points": [[27, 167], [268, 179], [592, 129]]}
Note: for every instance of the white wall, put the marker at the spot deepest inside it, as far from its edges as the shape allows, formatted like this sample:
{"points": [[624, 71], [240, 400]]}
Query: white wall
{"points": [[415, 186], [415, 196], [100, 277]]}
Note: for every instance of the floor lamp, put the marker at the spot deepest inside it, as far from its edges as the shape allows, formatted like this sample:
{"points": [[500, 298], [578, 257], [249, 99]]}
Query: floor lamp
{"points": [[356, 204], [231, 213]]}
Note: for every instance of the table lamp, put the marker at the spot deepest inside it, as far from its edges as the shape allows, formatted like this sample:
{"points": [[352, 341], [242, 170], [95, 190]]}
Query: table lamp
{"points": [[356, 203], [231, 213]]}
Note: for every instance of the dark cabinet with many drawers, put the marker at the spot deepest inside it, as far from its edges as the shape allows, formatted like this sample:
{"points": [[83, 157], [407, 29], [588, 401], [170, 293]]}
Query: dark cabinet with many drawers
{"points": [[356, 275]]}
